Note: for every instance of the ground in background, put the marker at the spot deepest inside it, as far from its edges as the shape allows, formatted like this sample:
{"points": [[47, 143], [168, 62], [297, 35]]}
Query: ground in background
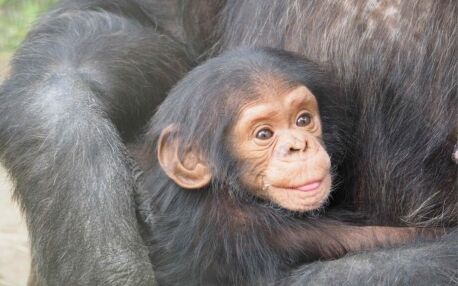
{"points": [[14, 246]]}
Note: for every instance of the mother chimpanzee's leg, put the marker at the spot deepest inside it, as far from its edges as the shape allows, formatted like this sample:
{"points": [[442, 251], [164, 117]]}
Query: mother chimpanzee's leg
{"points": [[87, 75]]}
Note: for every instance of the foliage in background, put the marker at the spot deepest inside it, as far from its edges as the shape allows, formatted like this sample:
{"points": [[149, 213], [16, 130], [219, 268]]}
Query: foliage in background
{"points": [[16, 18]]}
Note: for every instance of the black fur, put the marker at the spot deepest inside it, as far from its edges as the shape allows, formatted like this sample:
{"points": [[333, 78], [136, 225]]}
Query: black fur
{"points": [[75, 80], [91, 73]]}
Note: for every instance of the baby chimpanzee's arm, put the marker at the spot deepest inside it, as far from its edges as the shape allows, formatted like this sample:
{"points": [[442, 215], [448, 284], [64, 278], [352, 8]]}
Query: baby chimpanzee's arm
{"points": [[328, 239]]}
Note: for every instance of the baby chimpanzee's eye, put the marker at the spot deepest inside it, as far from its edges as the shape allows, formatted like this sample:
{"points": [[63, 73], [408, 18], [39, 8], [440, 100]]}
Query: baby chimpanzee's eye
{"points": [[264, 134], [304, 119]]}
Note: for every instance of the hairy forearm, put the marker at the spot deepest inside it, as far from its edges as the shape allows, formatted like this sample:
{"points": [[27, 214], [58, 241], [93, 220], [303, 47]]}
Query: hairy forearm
{"points": [[329, 239], [356, 238]]}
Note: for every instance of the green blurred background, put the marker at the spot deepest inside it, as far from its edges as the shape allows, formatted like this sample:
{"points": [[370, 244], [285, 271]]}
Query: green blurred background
{"points": [[16, 17]]}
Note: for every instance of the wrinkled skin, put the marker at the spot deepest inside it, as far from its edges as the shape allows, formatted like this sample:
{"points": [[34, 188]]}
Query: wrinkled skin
{"points": [[291, 166]]}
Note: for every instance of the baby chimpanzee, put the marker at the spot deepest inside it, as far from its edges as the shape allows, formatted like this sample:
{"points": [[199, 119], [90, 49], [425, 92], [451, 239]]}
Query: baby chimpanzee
{"points": [[239, 162]]}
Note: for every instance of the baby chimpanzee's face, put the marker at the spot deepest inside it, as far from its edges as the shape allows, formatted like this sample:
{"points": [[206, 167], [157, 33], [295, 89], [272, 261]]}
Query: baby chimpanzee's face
{"points": [[277, 137]]}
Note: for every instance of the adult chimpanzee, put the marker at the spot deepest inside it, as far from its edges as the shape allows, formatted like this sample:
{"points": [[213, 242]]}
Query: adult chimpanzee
{"points": [[91, 72], [237, 161]]}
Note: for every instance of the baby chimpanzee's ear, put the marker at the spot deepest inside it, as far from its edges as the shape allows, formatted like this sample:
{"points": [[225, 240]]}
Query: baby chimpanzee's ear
{"points": [[187, 169]]}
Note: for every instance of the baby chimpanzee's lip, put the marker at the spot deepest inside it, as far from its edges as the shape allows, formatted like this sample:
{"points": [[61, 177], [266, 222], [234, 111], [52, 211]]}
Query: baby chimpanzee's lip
{"points": [[309, 186]]}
